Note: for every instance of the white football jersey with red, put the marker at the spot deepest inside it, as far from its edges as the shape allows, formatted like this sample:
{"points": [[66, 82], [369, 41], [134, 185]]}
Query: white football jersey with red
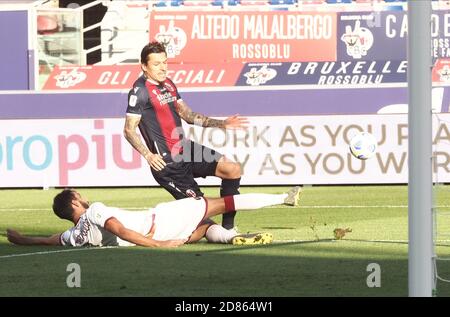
{"points": [[90, 227]]}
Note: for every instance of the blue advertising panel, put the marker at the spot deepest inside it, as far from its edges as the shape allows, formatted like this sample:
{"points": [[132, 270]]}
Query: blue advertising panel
{"points": [[358, 72], [14, 61], [248, 102]]}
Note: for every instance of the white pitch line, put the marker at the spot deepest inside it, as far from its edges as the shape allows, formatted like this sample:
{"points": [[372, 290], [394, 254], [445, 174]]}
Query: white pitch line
{"points": [[340, 206], [271, 207], [274, 242], [56, 251], [347, 206]]}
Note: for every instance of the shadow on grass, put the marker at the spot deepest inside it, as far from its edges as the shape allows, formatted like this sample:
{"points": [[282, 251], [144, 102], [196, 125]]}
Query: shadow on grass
{"points": [[235, 248], [390, 242], [204, 270], [293, 268], [377, 241]]}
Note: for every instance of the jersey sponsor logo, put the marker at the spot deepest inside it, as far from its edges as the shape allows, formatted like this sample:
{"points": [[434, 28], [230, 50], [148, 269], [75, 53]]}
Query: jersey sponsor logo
{"points": [[256, 77], [81, 232], [164, 97], [133, 100]]}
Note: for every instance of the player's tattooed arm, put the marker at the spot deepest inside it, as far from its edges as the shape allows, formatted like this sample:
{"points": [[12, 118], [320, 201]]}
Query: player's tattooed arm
{"points": [[131, 124], [233, 122], [195, 118], [129, 131]]}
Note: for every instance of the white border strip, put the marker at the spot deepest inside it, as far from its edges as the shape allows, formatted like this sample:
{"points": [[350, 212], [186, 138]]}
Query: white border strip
{"points": [[223, 88]]}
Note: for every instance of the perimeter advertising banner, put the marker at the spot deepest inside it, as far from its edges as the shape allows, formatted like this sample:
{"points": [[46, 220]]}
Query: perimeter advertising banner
{"points": [[218, 37], [344, 73], [324, 73], [382, 35], [123, 76], [274, 150], [217, 49]]}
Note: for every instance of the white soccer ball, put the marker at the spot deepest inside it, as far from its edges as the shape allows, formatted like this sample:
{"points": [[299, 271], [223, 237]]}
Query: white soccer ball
{"points": [[363, 145]]}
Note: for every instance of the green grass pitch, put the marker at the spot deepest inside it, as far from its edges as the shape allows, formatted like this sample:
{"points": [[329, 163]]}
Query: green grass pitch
{"points": [[304, 260]]}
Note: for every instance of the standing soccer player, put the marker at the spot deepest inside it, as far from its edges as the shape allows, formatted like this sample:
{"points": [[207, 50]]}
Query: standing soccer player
{"points": [[155, 106]]}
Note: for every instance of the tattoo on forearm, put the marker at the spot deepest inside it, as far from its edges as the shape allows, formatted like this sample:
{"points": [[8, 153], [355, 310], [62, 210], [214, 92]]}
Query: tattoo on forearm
{"points": [[134, 138], [204, 121], [198, 119], [214, 123], [136, 142]]}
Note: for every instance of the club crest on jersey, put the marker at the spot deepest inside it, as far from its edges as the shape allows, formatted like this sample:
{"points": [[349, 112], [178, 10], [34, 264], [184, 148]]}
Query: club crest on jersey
{"points": [[169, 87], [191, 193]]}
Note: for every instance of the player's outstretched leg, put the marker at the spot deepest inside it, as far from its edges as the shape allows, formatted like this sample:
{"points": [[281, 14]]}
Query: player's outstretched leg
{"points": [[217, 206]]}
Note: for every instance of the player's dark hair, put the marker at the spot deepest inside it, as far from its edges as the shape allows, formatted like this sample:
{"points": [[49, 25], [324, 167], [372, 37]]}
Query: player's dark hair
{"points": [[62, 204], [150, 48]]}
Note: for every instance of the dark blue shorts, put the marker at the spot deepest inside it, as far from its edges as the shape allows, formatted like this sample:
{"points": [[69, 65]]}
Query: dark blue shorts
{"points": [[178, 177]]}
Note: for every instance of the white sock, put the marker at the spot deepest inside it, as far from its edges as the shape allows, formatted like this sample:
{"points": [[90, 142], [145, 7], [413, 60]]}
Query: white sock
{"points": [[256, 201], [219, 234]]}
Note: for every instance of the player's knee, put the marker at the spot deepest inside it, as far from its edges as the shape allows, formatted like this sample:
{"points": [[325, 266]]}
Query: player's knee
{"points": [[234, 171], [228, 170]]}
